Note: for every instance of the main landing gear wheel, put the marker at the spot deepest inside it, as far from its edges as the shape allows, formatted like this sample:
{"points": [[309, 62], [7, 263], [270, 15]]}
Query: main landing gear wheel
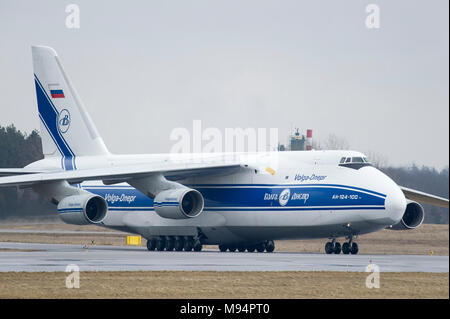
{"points": [[260, 247], [170, 243], [151, 244], [270, 246], [251, 249], [198, 246], [232, 248], [160, 244], [188, 244], [179, 243], [333, 248]]}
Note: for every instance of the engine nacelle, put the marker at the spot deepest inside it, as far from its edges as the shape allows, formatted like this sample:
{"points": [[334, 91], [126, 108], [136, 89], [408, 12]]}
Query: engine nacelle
{"points": [[179, 203], [412, 218], [83, 209]]}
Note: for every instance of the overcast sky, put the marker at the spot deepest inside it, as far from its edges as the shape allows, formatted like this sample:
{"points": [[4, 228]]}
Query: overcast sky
{"points": [[143, 68]]}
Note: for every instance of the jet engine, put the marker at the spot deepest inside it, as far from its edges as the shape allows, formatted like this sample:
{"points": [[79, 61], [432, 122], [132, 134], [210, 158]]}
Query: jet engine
{"points": [[83, 209], [179, 203], [412, 217]]}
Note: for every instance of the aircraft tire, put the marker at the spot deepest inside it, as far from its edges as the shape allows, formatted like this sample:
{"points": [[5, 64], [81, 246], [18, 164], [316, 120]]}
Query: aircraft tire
{"points": [[188, 244], [151, 244], [270, 246], [198, 247], [329, 248], [337, 248], [241, 248], [260, 247], [223, 248], [160, 244], [346, 248], [170, 243], [251, 249], [179, 243], [232, 248], [355, 249]]}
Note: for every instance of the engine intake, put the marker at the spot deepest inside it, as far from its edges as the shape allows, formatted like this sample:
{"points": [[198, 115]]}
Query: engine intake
{"points": [[179, 203], [83, 209], [412, 218]]}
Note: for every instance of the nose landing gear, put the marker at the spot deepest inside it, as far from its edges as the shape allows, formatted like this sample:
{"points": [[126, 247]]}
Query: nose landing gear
{"points": [[333, 247], [349, 247]]}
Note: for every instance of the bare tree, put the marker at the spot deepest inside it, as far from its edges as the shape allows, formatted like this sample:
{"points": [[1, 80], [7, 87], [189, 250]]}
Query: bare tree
{"points": [[334, 142], [378, 160]]}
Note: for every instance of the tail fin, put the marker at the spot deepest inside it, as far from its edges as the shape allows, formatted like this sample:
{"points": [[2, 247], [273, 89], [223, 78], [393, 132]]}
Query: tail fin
{"points": [[66, 128]]}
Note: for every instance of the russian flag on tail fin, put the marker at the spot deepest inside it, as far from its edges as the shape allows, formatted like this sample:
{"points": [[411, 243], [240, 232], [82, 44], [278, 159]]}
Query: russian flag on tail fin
{"points": [[56, 91]]}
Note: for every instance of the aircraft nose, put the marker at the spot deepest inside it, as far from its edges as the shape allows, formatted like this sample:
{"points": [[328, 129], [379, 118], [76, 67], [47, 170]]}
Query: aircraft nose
{"points": [[395, 204], [395, 201]]}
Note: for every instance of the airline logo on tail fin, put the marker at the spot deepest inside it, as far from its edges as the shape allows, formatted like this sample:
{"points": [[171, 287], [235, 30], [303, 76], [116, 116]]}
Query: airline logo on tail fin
{"points": [[64, 121]]}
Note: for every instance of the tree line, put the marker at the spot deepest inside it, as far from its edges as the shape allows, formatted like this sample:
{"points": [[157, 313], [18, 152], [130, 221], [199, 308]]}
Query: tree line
{"points": [[18, 149]]}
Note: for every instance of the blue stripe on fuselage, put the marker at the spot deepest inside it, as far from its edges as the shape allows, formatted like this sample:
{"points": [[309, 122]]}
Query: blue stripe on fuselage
{"points": [[260, 198]]}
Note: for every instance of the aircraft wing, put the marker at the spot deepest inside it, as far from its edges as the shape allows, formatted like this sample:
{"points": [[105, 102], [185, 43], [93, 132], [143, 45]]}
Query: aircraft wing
{"points": [[16, 171], [422, 197], [120, 173]]}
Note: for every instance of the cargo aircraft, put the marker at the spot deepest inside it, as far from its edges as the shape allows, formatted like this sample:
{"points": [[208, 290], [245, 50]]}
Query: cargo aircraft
{"points": [[183, 201]]}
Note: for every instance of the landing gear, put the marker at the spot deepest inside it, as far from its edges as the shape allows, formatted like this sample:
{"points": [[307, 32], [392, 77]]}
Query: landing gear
{"points": [[355, 249], [160, 243], [268, 246], [333, 247], [349, 247], [170, 243], [329, 249], [179, 243], [198, 245], [346, 248], [337, 248], [260, 247], [188, 244], [151, 244]]}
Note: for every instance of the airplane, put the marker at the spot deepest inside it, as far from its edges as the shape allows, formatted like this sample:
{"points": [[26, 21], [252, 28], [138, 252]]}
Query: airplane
{"points": [[180, 202]]}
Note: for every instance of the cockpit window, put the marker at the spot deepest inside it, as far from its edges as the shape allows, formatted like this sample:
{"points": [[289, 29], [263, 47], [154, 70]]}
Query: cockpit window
{"points": [[354, 162]]}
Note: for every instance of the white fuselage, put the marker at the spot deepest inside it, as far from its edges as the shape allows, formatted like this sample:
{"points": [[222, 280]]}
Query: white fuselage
{"points": [[279, 195]]}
